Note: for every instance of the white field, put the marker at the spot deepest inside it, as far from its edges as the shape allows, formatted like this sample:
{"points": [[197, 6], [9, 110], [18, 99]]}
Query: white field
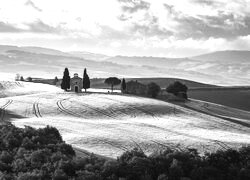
{"points": [[109, 124]]}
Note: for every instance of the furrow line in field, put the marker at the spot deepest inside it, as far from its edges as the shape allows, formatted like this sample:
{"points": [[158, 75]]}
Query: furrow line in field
{"points": [[97, 110], [36, 109], [123, 148], [135, 108], [3, 109], [225, 124], [65, 110]]}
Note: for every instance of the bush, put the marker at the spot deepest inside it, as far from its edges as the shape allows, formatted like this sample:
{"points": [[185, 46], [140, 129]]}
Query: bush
{"points": [[153, 90], [60, 175], [6, 157], [29, 176], [176, 88], [55, 160]]}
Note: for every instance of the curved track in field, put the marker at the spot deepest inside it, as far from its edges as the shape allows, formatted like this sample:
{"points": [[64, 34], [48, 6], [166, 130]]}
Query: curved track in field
{"points": [[104, 112], [3, 109], [133, 107], [111, 124], [36, 110], [65, 110]]}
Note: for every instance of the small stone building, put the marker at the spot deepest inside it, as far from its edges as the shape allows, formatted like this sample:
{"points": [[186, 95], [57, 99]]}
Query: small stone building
{"points": [[76, 84], [134, 87]]}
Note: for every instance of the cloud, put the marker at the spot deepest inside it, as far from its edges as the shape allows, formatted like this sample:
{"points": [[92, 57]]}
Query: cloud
{"points": [[40, 27], [6, 27], [132, 6], [206, 2], [108, 33], [225, 26], [32, 4], [34, 27], [152, 30], [169, 8]]}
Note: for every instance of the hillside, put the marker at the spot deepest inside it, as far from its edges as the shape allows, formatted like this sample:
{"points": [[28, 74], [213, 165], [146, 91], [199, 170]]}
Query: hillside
{"points": [[30, 49], [10, 88], [162, 82], [110, 124], [235, 98], [225, 57], [219, 68], [89, 56]]}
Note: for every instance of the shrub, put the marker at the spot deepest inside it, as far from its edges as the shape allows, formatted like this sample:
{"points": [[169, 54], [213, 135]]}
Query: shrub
{"points": [[127, 156], [29, 176], [176, 88], [153, 90], [55, 160], [6, 157], [60, 175]]}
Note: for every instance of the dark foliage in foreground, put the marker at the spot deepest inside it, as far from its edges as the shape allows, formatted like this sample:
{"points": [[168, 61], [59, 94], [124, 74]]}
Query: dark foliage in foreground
{"points": [[29, 154]]}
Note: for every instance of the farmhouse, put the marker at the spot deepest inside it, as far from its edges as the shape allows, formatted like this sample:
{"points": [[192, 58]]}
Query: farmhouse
{"points": [[134, 87], [76, 83]]}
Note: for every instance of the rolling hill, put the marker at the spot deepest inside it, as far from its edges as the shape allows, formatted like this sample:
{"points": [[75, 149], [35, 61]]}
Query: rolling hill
{"points": [[219, 68], [225, 57], [110, 124]]}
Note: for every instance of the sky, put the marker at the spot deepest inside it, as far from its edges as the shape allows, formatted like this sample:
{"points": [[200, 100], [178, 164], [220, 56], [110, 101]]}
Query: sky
{"points": [[161, 28]]}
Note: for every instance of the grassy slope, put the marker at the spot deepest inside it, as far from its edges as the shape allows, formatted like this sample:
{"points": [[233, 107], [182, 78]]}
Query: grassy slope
{"points": [[236, 98]]}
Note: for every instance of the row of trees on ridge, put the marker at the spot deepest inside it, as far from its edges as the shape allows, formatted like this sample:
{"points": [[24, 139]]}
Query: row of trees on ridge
{"points": [[152, 89]]}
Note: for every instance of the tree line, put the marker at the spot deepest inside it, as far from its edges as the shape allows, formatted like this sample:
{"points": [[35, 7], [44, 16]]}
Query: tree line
{"points": [[112, 81], [41, 154], [152, 89]]}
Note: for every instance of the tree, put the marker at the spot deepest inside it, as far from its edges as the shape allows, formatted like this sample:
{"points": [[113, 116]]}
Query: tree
{"points": [[29, 79], [176, 88], [86, 81], [66, 80], [17, 78], [55, 80], [21, 78], [153, 89], [123, 86], [112, 81]]}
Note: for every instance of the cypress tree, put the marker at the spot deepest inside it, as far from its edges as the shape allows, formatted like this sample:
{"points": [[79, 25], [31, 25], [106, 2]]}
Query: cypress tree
{"points": [[66, 80], [55, 80], [123, 86], [86, 81]]}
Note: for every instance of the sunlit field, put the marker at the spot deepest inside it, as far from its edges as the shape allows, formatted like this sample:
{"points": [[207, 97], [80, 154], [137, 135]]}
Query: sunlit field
{"points": [[109, 124]]}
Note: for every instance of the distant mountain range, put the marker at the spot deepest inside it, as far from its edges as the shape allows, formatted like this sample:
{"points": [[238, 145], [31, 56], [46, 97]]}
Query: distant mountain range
{"points": [[219, 68]]}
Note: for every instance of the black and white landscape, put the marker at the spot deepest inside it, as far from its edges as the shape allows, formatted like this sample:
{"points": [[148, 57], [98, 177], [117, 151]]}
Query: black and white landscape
{"points": [[125, 90], [226, 68]]}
